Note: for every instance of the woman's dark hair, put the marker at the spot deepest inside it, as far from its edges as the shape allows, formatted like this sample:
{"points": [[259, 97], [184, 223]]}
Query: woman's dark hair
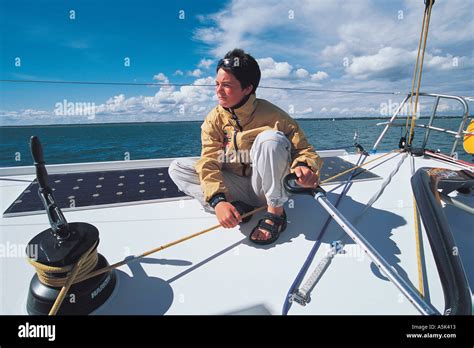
{"points": [[243, 66]]}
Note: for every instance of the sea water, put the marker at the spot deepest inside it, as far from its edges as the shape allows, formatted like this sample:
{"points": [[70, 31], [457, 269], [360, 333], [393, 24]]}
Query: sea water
{"points": [[134, 141]]}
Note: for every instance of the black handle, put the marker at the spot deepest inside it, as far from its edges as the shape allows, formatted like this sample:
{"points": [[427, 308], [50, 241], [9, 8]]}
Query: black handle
{"points": [[37, 153], [56, 218], [36, 150], [292, 186]]}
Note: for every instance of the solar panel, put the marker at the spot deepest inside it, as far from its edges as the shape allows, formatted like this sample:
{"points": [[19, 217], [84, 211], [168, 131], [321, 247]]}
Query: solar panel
{"points": [[111, 188], [90, 189]]}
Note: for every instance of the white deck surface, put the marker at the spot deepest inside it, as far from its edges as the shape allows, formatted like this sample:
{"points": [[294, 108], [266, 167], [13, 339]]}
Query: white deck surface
{"points": [[222, 272]]}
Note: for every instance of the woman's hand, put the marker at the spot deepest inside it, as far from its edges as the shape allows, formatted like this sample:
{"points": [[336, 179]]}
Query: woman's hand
{"points": [[227, 215], [306, 177]]}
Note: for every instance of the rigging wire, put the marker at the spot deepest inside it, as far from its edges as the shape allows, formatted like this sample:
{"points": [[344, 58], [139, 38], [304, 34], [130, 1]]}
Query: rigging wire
{"points": [[167, 84]]}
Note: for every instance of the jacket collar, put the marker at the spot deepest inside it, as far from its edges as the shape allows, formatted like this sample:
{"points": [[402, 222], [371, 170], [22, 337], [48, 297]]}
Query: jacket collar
{"points": [[245, 111]]}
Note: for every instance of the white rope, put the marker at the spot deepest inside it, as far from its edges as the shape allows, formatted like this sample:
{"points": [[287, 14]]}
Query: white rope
{"points": [[377, 195], [305, 290]]}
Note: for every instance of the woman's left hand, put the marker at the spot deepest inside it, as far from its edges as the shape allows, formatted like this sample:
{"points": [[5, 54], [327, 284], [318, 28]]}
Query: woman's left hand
{"points": [[306, 177]]}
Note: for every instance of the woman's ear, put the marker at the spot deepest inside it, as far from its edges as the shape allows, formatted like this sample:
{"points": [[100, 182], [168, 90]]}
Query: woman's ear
{"points": [[248, 89]]}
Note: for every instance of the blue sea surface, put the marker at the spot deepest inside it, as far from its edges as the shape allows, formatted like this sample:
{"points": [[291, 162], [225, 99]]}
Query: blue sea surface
{"points": [[116, 142]]}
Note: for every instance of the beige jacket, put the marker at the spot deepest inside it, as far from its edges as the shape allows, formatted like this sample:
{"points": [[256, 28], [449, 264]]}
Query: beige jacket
{"points": [[227, 137]]}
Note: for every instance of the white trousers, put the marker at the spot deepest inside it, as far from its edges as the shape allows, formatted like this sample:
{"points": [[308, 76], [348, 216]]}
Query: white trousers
{"points": [[270, 156]]}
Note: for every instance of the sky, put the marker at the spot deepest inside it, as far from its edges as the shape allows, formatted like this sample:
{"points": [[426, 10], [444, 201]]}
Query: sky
{"points": [[350, 45]]}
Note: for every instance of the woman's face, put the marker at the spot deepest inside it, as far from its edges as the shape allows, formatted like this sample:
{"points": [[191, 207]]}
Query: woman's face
{"points": [[228, 89]]}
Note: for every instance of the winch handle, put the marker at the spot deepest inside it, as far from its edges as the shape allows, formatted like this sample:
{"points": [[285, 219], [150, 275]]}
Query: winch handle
{"points": [[292, 186], [37, 154]]}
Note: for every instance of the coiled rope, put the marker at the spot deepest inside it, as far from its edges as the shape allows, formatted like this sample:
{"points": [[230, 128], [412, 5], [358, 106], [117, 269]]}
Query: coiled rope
{"points": [[51, 275]]}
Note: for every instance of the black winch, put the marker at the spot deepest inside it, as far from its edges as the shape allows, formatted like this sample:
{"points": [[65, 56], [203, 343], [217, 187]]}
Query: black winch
{"points": [[60, 247]]}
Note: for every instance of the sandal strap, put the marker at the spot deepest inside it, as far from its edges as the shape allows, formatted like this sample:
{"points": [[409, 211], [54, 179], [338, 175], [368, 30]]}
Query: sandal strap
{"points": [[279, 225], [272, 229], [277, 220]]}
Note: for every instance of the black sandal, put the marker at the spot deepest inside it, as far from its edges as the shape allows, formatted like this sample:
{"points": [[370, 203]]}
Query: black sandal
{"points": [[279, 225]]}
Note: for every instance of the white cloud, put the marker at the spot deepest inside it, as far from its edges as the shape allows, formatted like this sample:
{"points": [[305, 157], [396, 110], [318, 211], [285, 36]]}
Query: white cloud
{"points": [[205, 63], [178, 73], [343, 29], [397, 63], [187, 101], [161, 77], [384, 60], [451, 22], [337, 51], [319, 76], [453, 107], [116, 103], [208, 35], [33, 112], [306, 111], [446, 63], [238, 22], [271, 69], [302, 73], [195, 73]]}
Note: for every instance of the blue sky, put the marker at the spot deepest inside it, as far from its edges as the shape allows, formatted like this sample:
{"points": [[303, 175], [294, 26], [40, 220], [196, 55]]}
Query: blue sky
{"points": [[349, 45]]}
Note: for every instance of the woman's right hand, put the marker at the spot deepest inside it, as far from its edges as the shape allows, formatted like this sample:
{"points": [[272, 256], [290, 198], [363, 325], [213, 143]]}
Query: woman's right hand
{"points": [[227, 215]]}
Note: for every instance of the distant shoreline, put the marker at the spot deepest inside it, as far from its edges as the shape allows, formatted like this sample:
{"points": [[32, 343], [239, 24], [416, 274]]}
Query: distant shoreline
{"points": [[200, 121]]}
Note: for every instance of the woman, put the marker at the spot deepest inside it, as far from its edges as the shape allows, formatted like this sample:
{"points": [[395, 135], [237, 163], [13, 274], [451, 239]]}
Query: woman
{"points": [[248, 146]]}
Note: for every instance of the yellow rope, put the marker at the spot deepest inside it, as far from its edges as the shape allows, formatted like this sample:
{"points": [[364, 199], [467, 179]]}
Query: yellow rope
{"points": [[82, 269], [48, 274], [419, 66], [421, 286], [121, 263], [415, 71], [425, 30], [75, 270]]}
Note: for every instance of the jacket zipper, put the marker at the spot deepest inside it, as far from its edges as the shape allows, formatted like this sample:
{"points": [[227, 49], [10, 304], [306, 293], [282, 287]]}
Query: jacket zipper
{"points": [[236, 119]]}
